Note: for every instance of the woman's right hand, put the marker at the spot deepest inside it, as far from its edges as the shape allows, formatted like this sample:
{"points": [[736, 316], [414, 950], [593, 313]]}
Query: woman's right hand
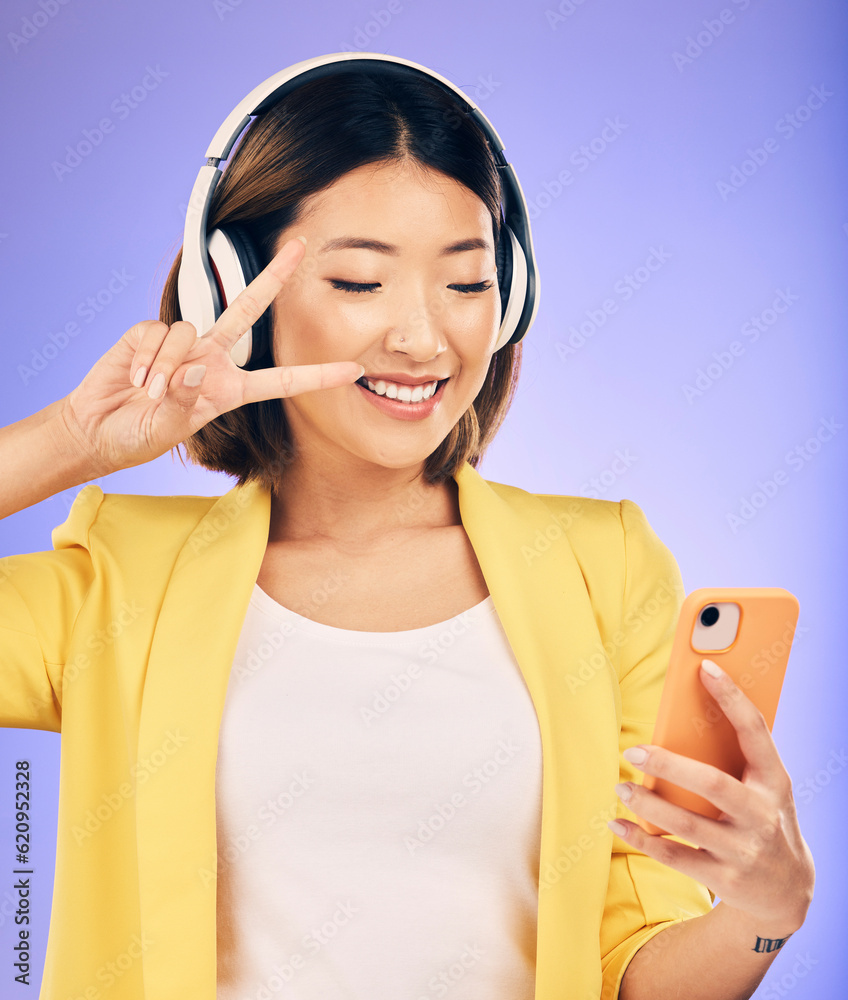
{"points": [[138, 401]]}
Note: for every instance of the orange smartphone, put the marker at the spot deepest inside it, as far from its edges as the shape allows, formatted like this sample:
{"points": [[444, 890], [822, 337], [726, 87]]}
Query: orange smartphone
{"points": [[748, 632]]}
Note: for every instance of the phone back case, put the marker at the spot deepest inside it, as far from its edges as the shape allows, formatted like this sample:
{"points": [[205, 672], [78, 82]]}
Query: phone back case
{"points": [[689, 721]]}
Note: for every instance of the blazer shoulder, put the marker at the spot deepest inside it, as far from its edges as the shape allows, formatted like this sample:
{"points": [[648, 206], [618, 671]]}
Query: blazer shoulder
{"points": [[138, 520], [575, 513], [600, 532]]}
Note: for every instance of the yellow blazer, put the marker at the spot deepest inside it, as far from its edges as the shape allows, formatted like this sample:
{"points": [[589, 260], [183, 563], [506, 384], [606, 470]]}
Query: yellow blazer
{"points": [[122, 639]]}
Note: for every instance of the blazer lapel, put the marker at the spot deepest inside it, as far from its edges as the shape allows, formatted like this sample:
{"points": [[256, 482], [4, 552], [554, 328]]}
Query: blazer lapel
{"points": [[540, 595], [188, 669], [541, 599]]}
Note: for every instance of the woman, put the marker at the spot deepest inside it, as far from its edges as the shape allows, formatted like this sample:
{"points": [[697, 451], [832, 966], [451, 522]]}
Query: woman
{"points": [[304, 723]]}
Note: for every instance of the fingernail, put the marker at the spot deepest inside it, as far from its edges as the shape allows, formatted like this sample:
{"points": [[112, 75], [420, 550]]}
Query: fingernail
{"points": [[302, 240], [624, 791], [361, 370], [139, 377], [713, 669], [618, 828], [157, 386], [194, 376], [636, 755]]}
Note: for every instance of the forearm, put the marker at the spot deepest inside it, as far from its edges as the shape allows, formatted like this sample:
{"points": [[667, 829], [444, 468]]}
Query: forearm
{"points": [[711, 957], [39, 458]]}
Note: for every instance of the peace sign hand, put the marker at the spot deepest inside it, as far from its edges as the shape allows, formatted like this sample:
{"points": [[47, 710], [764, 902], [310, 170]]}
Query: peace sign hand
{"points": [[160, 384]]}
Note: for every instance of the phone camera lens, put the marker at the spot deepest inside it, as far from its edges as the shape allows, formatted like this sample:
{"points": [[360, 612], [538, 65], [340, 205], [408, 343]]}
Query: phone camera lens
{"points": [[709, 615]]}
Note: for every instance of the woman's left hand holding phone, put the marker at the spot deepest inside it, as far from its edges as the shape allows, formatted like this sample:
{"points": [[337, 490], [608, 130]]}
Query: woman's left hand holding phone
{"points": [[753, 857]]}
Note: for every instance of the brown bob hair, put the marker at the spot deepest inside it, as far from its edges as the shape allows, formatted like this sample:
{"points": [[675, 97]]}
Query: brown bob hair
{"points": [[311, 137]]}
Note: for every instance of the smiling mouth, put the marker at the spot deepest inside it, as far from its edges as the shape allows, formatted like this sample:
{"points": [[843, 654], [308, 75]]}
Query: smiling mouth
{"points": [[401, 393]]}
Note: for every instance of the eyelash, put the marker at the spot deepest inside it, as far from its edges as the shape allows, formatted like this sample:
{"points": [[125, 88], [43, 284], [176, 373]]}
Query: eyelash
{"points": [[357, 286]]}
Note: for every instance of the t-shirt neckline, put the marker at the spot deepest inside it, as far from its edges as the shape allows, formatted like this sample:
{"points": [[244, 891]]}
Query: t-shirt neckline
{"points": [[264, 602]]}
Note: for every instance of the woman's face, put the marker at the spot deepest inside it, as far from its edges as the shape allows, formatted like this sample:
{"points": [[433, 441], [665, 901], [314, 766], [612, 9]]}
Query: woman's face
{"points": [[399, 274]]}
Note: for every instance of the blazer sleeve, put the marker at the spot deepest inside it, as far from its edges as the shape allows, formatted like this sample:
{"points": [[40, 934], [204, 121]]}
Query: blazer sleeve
{"points": [[644, 896], [41, 594]]}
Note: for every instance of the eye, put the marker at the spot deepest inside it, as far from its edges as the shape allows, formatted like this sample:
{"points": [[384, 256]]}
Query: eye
{"points": [[479, 286], [354, 286], [371, 286]]}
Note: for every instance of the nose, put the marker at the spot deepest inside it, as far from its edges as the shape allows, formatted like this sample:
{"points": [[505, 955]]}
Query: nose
{"points": [[418, 331]]}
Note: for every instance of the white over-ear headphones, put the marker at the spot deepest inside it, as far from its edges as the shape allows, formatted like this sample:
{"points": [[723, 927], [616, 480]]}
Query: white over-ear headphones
{"points": [[217, 266]]}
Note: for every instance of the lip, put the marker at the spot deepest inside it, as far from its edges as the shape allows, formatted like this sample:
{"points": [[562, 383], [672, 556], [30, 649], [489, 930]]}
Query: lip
{"points": [[405, 411], [403, 379]]}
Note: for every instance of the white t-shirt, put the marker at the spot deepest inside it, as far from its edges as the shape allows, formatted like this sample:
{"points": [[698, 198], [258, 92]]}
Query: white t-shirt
{"points": [[379, 812]]}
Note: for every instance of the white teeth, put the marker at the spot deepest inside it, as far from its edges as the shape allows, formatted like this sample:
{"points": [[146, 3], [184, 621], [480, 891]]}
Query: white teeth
{"points": [[405, 393]]}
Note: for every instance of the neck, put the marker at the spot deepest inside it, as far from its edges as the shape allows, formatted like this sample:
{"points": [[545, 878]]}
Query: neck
{"points": [[362, 505]]}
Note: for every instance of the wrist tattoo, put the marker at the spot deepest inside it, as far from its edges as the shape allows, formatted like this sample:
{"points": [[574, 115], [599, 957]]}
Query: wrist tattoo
{"points": [[769, 944]]}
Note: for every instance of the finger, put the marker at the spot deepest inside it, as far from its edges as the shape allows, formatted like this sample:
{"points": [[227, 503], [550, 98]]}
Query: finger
{"points": [[711, 783], [709, 834], [184, 388], [274, 383], [150, 333], [174, 346], [699, 865], [752, 731], [249, 305]]}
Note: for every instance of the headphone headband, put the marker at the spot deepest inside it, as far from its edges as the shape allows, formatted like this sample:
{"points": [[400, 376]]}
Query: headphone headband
{"points": [[198, 287]]}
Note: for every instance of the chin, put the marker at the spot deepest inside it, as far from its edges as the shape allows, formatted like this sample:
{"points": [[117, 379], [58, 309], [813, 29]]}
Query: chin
{"points": [[398, 458]]}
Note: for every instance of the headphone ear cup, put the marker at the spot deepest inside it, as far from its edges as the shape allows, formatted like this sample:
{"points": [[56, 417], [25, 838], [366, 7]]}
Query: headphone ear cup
{"points": [[513, 283], [235, 264]]}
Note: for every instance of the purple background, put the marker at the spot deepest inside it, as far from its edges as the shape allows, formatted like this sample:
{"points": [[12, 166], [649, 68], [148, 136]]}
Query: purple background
{"points": [[551, 76]]}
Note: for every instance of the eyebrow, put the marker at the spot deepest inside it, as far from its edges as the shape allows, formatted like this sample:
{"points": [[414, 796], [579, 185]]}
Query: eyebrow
{"points": [[378, 246]]}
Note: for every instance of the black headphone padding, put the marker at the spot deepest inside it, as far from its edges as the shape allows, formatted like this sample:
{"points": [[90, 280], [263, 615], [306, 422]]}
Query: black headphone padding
{"points": [[503, 262], [251, 266]]}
